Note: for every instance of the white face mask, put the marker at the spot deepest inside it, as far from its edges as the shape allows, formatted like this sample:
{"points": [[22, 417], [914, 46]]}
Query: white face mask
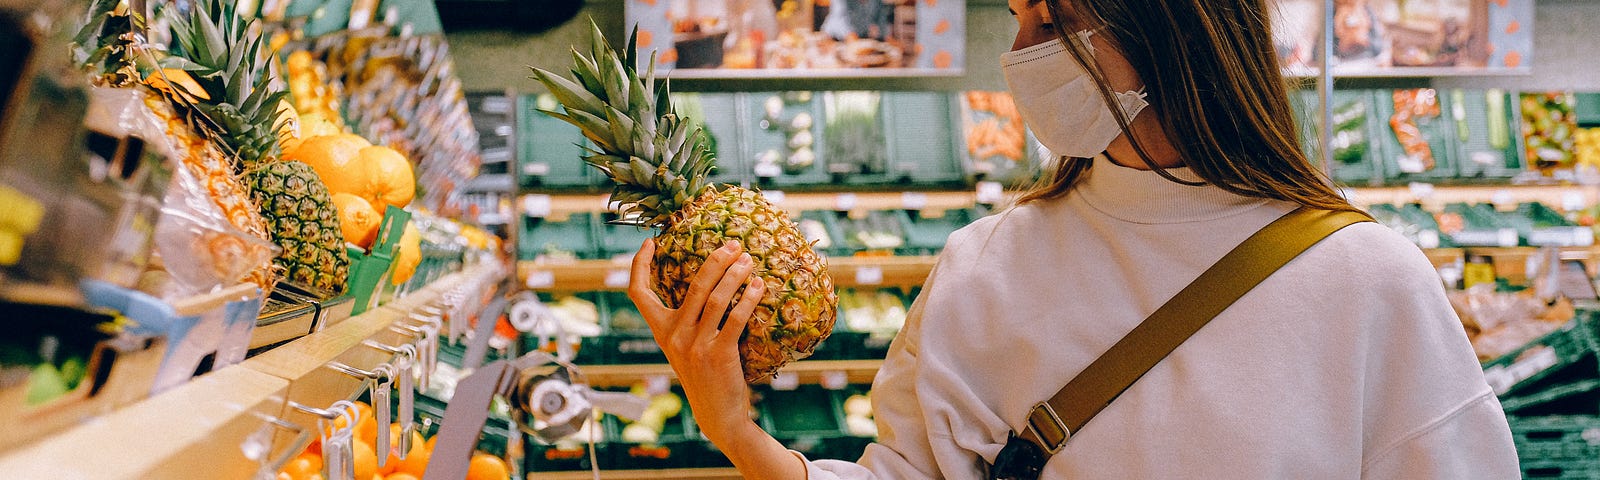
{"points": [[1060, 102]]}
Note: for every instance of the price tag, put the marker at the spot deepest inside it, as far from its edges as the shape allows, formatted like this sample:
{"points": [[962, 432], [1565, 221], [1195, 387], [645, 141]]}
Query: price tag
{"points": [[1486, 158], [768, 170], [1582, 237], [536, 169], [774, 196], [1410, 164], [1572, 201], [869, 276], [990, 192], [1502, 197], [1508, 237], [657, 384], [844, 202], [380, 412], [913, 200], [1421, 190], [618, 278], [835, 380], [1428, 239], [536, 205], [785, 381], [541, 279]]}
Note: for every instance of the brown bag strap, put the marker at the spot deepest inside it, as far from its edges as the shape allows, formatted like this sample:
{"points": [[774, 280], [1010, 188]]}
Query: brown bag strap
{"points": [[1051, 423]]}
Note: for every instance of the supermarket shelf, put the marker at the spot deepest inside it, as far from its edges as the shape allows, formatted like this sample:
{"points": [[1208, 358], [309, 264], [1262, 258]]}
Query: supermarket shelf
{"points": [[200, 426], [1434, 197], [612, 275], [561, 206], [695, 473], [808, 371], [1431, 196]]}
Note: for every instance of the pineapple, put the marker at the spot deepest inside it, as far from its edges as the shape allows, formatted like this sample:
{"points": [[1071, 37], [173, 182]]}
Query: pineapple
{"points": [[237, 100], [108, 48], [660, 163]]}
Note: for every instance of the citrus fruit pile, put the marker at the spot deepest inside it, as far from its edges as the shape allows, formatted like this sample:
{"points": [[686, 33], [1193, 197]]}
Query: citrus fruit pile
{"points": [[365, 179], [308, 465]]}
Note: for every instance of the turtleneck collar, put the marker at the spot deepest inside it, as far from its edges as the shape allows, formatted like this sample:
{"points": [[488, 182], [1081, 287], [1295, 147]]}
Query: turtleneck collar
{"points": [[1143, 196]]}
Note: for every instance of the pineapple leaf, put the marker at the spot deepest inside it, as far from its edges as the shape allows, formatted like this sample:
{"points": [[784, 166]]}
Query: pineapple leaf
{"points": [[631, 55], [569, 94]]}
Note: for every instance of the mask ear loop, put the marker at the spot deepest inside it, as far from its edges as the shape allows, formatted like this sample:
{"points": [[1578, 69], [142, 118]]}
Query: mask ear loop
{"points": [[1085, 44]]}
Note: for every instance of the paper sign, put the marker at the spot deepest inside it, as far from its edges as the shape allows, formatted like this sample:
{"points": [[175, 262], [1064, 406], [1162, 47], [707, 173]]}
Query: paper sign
{"points": [[541, 279], [536, 205], [785, 381], [913, 200], [990, 192], [869, 276], [618, 278], [835, 380], [844, 202]]}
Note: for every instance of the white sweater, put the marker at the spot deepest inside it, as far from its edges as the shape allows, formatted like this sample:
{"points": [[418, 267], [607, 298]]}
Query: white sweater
{"points": [[1347, 363]]}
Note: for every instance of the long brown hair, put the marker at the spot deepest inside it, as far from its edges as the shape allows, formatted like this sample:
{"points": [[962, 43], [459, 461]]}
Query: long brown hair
{"points": [[1214, 79]]}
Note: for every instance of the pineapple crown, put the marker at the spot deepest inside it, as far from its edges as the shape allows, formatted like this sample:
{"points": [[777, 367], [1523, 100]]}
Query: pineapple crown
{"points": [[107, 43], [216, 46], [659, 161]]}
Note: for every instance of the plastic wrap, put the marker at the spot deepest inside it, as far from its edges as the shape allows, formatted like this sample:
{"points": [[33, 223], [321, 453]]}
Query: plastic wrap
{"points": [[210, 235]]}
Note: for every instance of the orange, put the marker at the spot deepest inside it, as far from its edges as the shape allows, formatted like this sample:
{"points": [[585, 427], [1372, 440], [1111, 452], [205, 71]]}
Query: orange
{"points": [[303, 466], [487, 467], [389, 181], [189, 87], [366, 460], [403, 476], [408, 254], [333, 157], [314, 125], [416, 462], [357, 220], [315, 476], [392, 464], [377, 476], [285, 476]]}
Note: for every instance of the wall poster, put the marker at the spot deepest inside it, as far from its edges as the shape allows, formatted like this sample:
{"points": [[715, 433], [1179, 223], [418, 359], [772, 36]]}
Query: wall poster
{"points": [[801, 38], [1377, 38]]}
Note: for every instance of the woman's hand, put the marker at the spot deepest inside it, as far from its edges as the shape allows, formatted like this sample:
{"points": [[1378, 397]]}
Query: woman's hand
{"points": [[705, 357]]}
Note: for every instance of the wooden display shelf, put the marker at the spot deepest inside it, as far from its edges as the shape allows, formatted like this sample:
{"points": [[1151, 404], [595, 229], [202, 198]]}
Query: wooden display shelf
{"points": [[810, 372], [560, 206], [669, 474], [1432, 197], [613, 275], [196, 429]]}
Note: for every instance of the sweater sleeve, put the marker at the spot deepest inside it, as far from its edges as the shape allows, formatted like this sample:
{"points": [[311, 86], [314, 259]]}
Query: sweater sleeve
{"points": [[1469, 443], [905, 448]]}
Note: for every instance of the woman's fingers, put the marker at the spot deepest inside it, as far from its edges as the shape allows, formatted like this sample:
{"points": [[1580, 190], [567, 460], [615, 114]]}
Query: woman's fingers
{"points": [[709, 275], [650, 306], [722, 297], [741, 313]]}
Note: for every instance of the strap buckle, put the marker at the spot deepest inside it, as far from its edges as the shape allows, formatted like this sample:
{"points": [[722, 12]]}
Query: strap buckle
{"points": [[1048, 428]]}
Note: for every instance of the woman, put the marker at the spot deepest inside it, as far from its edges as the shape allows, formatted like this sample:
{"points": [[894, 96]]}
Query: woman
{"points": [[1348, 362]]}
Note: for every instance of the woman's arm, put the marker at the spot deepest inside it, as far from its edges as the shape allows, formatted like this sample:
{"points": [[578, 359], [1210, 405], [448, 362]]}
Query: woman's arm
{"points": [[706, 359]]}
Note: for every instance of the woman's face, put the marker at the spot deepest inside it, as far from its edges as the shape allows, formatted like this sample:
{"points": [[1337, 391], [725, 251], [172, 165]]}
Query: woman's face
{"points": [[1034, 26]]}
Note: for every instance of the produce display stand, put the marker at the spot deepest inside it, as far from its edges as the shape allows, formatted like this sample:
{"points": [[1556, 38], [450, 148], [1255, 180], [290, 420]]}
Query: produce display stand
{"points": [[197, 429]]}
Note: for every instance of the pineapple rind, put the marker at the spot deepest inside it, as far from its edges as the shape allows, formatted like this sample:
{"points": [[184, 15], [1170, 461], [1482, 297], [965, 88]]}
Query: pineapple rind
{"points": [[800, 305]]}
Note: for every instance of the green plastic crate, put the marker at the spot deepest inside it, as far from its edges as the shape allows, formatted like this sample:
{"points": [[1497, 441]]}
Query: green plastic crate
{"points": [[1483, 227], [1436, 131], [1562, 356], [808, 419], [924, 148], [1557, 438], [618, 240], [1356, 134], [1560, 470], [1485, 122], [680, 445], [1422, 231], [549, 150], [763, 137], [719, 116], [927, 236], [576, 234], [1588, 109]]}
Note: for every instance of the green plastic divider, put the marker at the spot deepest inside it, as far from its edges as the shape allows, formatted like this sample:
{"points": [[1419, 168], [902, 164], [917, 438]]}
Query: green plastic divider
{"points": [[921, 132], [1436, 131], [1355, 138], [575, 235], [1483, 121], [548, 149]]}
